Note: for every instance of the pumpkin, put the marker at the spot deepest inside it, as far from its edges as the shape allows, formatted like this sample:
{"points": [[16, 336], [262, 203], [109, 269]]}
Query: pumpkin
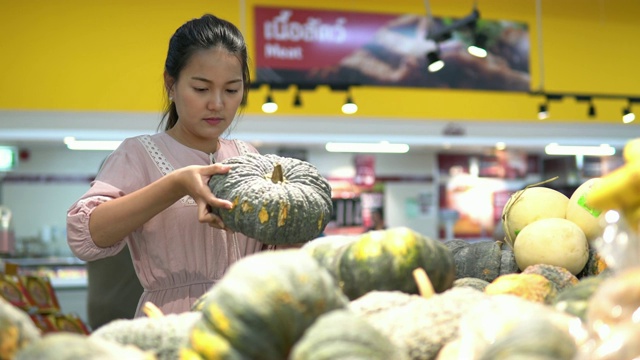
{"points": [[73, 346], [422, 326], [386, 259], [481, 259], [574, 300], [589, 219], [326, 250], [262, 306], [164, 336], [341, 334], [537, 338], [595, 265], [552, 241], [16, 329], [532, 287], [276, 200], [531, 204], [559, 276], [472, 282]]}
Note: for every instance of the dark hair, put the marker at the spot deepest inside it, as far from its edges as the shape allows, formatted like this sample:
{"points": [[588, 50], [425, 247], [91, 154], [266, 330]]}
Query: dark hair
{"points": [[203, 33]]}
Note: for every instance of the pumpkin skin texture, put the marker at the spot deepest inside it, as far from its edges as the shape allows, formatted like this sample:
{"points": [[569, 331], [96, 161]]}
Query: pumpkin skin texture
{"points": [[341, 334], [471, 282], [595, 265], [263, 304], [575, 300], [480, 260], [385, 260], [72, 346], [559, 276], [532, 287], [327, 249], [277, 200], [533, 339]]}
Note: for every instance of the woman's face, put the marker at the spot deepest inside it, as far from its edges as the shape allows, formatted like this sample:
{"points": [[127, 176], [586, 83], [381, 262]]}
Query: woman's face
{"points": [[207, 95]]}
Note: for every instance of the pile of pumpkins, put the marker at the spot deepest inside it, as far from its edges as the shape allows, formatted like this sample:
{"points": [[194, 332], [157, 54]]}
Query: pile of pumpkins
{"points": [[394, 294]]}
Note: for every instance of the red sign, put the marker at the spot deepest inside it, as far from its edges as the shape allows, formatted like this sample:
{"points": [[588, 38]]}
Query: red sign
{"points": [[306, 39]]}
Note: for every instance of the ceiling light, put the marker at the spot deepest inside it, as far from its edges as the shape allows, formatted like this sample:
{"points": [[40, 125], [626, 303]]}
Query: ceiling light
{"points": [[269, 105], [543, 112], [297, 100], [602, 150], [592, 110], [349, 106], [434, 62], [106, 145], [381, 147], [501, 145], [627, 115], [478, 49]]}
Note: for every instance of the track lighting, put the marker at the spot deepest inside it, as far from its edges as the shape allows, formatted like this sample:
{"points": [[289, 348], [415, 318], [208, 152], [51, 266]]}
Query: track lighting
{"points": [[434, 63], [349, 106], [592, 110], [269, 105], [479, 47], [543, 111], [297, 100], [628, 115]]}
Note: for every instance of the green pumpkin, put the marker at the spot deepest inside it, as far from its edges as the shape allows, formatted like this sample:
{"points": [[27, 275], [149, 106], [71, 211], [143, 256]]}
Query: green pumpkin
{"points": [[277, 200], [484, 260], [575, 300], [384, 260], [327, 249], [559, 276], [341, 334], [595, 265], [263, 305]]}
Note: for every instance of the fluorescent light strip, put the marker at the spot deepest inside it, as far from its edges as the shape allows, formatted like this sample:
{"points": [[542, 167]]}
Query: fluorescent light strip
{"points": [[381, 147], [602, 150], [74, 144]]}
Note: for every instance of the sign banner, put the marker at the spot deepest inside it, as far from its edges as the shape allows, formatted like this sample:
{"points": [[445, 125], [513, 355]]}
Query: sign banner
{"points": [[325, 47]]}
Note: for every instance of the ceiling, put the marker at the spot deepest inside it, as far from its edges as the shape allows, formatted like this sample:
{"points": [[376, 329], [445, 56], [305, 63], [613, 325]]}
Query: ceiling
{"points": [[30, 129]]}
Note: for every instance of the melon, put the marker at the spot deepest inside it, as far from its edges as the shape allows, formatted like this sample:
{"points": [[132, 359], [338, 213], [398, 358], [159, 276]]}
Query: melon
{"points": [[529, 205], [552, 241], [589, 219]]}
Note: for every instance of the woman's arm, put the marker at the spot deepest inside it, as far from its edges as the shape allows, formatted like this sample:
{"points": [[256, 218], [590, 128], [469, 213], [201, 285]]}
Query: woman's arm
{"points": [[113, 220]]}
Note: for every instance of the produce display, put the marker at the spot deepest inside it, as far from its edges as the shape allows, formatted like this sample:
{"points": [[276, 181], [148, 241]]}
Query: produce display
{"points": [[277, 200], [547, 291]]}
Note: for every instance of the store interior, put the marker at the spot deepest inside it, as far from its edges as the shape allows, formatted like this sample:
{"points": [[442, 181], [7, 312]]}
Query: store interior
{"points": [[92, 71]]}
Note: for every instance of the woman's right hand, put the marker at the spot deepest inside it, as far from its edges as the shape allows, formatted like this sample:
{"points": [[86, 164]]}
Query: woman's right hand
{"points": [[194, 180]]}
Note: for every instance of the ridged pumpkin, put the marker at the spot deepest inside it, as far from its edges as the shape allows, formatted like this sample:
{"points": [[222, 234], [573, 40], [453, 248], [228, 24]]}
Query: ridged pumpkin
{"points": [[385, 260], [483, 259], [342, 334], [327, 249], [559, 276], [532, 287], [263, 305], [277, 200]]}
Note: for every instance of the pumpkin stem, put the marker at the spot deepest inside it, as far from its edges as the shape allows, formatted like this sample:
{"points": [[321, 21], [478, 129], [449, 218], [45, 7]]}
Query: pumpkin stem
{"points": [[151, 310], [425, 287], [276, 175]]}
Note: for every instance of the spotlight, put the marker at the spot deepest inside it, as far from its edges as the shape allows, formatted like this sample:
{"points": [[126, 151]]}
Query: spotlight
{"points": [[478, 48], [349, 106], [269, 105], [543, 112], [434, 63], [297, 100], [627, 115], [592, 110]]}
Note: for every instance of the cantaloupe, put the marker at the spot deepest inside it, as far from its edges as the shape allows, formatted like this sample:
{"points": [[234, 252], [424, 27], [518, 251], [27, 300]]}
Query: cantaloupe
{"points": [[552, 241], [586, 217], [531, 204]]}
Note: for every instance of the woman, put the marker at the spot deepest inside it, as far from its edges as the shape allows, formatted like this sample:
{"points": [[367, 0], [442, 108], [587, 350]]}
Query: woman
{"points": [[152, 192]]}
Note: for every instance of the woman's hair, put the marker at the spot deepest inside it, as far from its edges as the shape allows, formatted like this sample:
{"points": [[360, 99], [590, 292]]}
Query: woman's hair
{"points": [[198, 34]]}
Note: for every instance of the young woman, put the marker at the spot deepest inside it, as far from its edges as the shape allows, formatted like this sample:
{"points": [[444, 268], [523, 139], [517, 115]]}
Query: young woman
{"points": [[152, 193]]}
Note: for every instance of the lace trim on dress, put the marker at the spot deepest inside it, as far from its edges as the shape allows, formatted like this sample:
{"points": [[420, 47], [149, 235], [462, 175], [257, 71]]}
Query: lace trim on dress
{"points": [[163, 165]]}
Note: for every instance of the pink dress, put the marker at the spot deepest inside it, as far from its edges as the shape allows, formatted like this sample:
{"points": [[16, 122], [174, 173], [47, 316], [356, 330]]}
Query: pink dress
{"points": [[177, 259]]}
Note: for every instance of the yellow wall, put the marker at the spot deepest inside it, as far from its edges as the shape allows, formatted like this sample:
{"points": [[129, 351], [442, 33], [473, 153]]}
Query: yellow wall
{"points": [[108, 55]]}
